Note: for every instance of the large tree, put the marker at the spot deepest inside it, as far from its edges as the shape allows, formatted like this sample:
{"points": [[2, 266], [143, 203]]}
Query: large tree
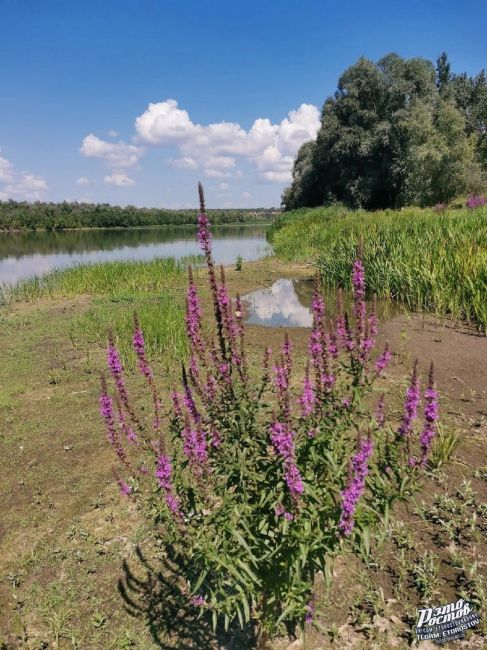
{"points": [[392, 133]]}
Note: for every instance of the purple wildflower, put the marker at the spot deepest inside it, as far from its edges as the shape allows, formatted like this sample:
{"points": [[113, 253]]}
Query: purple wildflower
{"points": [[356, 485], [358, 286], [125, 488], [195, 445], [476, 202], [310, 611], [193, 317], [383, 360], [144, 367], [197, 601], [204, 238], [280, 511], [283, 440], [116, 370], [176, 403], [379, 411], [307, 399], [340, 324], [204, 235], [113, 359], [190, 404], [126, 428], [410, 404], [164, 478], [430, 417], [332, 341], [107, 413]]}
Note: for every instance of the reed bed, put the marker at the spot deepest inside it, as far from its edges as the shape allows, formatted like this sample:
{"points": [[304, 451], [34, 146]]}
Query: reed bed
{"points": [[103, 278], [429, 260]]}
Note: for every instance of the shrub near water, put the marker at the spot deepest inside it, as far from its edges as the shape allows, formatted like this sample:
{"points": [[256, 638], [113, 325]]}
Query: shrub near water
{"points": [[260, 488], [428, 259]]}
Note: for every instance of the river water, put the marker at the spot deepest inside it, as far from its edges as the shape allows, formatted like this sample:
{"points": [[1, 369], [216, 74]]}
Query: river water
{"points": [[25, 254]]}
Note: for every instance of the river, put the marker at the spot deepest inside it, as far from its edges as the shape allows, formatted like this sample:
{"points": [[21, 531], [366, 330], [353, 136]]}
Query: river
{"points": [[25, 254]]}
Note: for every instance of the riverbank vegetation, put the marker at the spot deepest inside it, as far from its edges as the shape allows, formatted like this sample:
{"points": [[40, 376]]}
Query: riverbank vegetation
{"points": [[68, 538], [16, 215], [431, 260], [396, 132], [118, 278]]}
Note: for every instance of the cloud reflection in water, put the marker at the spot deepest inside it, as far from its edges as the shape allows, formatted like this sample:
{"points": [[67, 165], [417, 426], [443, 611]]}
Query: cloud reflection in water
{"points": [[278, 305]]}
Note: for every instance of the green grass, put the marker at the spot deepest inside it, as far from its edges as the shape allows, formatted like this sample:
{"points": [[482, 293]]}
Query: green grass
{"points": [[161, 318], [125, 278], [430, 261]]}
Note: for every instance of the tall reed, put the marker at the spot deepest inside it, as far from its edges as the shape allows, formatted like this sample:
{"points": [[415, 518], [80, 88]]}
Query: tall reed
{"points": [[430, 260]]}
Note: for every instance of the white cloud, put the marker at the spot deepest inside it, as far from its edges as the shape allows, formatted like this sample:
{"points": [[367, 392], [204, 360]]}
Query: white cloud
{"points": [[215, 173], [164, 123], [82, 180], [271, 148], [6, 170], [120, 180], [277, 177], [112, 133], [223, 187], [216, 149], [183, 163], [246, 195], [115, 154], [22, 186]]}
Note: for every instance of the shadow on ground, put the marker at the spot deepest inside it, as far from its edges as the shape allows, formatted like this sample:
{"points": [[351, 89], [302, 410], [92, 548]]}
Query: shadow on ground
{"points": [[158, 599]]}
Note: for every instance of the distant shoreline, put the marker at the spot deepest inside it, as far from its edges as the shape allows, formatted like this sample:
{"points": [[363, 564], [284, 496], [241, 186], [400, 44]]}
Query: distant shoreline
{"points": [[123, 228]]}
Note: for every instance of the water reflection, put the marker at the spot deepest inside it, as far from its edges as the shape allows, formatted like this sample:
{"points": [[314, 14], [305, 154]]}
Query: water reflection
{"points": [[25, 254], [279, 306], [287, 303]]}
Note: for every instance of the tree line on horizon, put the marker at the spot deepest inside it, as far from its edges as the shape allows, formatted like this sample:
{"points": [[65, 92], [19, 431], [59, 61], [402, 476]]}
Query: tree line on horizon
{"points": [[62, 216], [396, 132]]}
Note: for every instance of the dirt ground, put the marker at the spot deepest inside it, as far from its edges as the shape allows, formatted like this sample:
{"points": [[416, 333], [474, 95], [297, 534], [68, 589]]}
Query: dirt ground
{"points": [[67, 538]]}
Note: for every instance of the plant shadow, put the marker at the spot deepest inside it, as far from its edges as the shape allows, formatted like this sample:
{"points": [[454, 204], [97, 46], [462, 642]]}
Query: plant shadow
{"points": [[158, 598]]}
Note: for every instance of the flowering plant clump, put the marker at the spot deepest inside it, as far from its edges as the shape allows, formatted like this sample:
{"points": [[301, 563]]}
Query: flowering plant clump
{"points": [[263, 477], [476, 202]]}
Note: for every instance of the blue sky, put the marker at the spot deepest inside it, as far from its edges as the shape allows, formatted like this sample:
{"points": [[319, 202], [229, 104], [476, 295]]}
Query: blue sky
{"points": [[133, 102]]}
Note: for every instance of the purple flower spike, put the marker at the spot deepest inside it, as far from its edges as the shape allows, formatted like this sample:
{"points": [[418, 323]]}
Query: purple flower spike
{"points": [[358, 286], [164, 478], [107, 413], [355, 488], [204, 235], [410, 404], [431, 415], [307, 399], [283, 440], [195, 446], [193, 317], [310, 612], [125, 488], [379, 412], [383, 360]]}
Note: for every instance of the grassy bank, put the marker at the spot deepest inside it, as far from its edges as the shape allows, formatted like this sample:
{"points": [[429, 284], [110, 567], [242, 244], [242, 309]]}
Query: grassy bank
{"points": [[112, 292], [67, 537], [432, 261]]}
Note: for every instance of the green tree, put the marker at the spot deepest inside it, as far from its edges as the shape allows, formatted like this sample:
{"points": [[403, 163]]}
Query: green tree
{"points": [[371, 152]]}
